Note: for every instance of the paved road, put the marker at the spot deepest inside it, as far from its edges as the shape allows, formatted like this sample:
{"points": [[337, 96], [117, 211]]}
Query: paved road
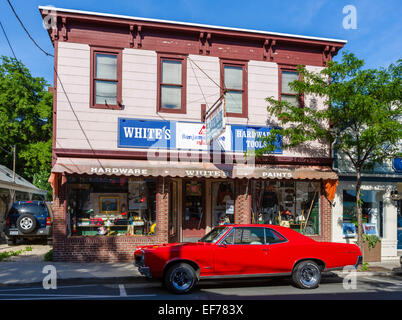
{"points": [[331, 288]]}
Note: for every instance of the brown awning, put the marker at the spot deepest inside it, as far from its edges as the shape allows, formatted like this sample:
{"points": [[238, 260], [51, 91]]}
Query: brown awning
{"points": [[116, 167]]}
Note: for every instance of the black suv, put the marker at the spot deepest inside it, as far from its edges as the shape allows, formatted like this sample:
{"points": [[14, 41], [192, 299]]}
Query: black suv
{"points": [[28, 220]]}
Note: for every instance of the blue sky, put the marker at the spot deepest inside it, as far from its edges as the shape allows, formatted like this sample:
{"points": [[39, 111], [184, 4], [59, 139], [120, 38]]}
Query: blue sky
{"points": [[377, 39]]}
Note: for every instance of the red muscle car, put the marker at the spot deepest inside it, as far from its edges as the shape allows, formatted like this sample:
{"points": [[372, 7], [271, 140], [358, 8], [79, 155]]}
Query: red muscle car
{"points": [[233, 251]]}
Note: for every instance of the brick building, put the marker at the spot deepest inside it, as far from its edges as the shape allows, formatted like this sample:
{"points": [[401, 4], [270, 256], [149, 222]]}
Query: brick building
{"points": [[131, 165]]}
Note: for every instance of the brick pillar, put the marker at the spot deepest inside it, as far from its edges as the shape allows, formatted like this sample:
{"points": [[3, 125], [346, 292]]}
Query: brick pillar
{"points": [[243, 201], [59, 219], [162, 198]]}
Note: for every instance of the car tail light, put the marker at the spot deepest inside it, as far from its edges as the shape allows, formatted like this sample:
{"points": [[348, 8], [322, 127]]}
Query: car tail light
{"points": [[48, 222], [8, 222]]}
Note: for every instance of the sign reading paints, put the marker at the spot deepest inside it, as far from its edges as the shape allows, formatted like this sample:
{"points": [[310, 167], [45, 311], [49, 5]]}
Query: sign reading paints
{"points": [[176, 135]]}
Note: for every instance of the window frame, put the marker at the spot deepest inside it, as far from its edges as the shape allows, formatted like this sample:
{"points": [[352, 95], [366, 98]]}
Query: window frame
{"points": [[288, 68], [110, 51], [244, 65], [172, 57]]}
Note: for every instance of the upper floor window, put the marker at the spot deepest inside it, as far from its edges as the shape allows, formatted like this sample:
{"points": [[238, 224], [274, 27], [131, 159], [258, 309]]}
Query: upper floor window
{"points": [[105, 78], [172, 83], [234, 81], [286, 93]]}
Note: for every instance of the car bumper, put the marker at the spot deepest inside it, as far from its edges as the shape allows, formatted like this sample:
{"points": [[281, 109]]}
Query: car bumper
{"points": [[145, 271], [41, 232], [359, 261]]}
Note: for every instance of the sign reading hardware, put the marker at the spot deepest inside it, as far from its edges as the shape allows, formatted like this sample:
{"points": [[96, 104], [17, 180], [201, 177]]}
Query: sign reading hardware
{"points": [[177, 135]]}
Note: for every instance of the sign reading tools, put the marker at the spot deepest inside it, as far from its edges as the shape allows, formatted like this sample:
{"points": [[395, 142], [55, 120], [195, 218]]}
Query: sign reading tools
{"points": [[179, 135]]}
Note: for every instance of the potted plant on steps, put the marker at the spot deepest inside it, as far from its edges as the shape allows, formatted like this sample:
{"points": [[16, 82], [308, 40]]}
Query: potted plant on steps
{"points": [[371, 248]]}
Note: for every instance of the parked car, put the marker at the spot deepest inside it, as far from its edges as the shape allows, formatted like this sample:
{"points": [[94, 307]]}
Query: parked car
{"points": [[29, 220], [234, 251]]}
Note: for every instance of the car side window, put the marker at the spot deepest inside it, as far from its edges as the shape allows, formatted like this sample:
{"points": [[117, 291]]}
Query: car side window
{"points": [[251, 235], [273, 237], [229, 238]]}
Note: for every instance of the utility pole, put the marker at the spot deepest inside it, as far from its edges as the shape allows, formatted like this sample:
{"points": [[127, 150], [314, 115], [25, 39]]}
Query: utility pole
{"points": [[14, 156]]}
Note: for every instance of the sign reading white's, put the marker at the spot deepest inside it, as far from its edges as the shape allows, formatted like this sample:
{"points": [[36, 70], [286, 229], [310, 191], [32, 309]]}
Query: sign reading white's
{"points": [[175, 135]]}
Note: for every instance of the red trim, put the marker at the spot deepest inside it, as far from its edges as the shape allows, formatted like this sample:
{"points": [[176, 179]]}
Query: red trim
{"points": [[118, 53], [175, 57], [230, 44], [55, 88], [244, 66]]}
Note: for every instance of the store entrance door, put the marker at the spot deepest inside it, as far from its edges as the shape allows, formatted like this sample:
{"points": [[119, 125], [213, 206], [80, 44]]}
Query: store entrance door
{"points": [[399, 224], [174, 208], [193, 219]]}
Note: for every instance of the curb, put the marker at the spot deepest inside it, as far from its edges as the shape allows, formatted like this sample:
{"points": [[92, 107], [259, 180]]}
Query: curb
{"points": [[67, 281], [370, 274]]}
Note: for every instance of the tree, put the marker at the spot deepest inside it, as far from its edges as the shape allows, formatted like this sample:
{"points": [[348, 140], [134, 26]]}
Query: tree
{"points": [[25, 121], [361, 118]]}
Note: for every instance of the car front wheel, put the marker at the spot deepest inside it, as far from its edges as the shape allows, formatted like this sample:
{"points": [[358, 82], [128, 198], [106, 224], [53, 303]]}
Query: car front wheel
{"points": [[307, 275], [180, 278]]}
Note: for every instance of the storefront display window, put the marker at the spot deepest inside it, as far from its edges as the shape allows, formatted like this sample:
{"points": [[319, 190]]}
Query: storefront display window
{"points": [[372, 207], [222, 203], [104, 206], [293, 204]]}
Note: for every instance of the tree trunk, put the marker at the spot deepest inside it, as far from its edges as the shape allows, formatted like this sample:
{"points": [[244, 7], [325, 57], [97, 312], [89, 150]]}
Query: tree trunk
{"points": [[359, 211]]}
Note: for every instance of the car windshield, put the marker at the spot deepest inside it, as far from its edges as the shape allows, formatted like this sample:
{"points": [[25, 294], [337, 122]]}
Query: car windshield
{"points": [[214, 235]]}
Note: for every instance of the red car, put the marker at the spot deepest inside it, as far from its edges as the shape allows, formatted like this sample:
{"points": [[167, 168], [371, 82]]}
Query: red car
{"points": [[234, 251]]}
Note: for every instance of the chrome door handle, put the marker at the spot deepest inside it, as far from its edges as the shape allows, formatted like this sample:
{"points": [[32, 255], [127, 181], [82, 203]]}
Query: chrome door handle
{"points": [[264, 250]]}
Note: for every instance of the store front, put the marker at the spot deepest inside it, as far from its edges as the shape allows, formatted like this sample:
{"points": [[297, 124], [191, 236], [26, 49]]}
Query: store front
{"points": [[107, 207], [380, 213]]}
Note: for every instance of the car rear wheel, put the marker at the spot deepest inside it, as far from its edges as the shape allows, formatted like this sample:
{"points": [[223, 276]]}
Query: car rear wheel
{"points": [[26, 223], [307, 275], [180, 278]]}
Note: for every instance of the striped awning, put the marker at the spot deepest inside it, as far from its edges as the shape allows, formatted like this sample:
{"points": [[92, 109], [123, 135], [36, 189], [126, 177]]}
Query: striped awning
{"points": [[188, 169]]}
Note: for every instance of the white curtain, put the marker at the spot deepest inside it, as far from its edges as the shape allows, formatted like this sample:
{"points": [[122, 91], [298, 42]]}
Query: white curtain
{"points": [[233, 77], [171, 72], [287, 77], [234, 101], [105, 90], [106, 66], [171, 97], [291, 99]]}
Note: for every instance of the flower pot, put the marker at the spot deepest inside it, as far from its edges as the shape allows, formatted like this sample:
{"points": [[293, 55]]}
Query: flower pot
{"points": [[371, 254]]}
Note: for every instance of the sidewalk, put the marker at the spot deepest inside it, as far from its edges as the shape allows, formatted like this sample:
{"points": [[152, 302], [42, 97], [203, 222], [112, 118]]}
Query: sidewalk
{"points": [[18, 273]]}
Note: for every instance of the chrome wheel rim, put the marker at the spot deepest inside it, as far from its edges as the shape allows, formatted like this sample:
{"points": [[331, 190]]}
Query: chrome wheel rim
{"points": [[309, 275], [26, 223], [181, 279]]}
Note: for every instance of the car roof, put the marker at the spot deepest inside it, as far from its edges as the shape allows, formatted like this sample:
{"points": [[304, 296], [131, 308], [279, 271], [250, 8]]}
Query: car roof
{"points": [[288, 233]]}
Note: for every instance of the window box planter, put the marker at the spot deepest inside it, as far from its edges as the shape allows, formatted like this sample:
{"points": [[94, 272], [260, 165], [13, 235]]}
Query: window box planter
{"points": [[371, 254]]}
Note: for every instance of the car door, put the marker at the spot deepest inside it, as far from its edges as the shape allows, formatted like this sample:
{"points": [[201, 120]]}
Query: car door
{"points": [[243, 251], [278, 254]]}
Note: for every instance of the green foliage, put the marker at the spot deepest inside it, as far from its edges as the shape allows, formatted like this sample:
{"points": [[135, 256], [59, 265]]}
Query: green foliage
{"points": [[362, 117], [49, 255], [371, 239], [8, 254], [25, 121], [365, 266]]}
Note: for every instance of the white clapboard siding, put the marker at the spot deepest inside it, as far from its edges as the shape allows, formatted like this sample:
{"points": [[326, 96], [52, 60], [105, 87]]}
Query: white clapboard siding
{"points": [[139, 96]]}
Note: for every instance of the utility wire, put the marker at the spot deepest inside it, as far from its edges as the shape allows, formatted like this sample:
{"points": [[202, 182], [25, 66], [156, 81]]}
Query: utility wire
{"points": [[27, 32], [8, 41], [58, 78]]}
